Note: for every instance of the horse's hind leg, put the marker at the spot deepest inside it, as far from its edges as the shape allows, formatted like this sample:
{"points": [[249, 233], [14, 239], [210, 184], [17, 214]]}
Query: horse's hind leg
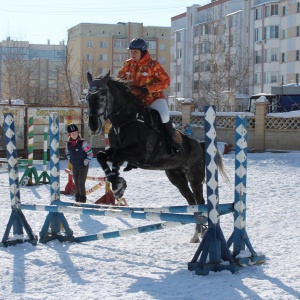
{"points": [[177, 178]]}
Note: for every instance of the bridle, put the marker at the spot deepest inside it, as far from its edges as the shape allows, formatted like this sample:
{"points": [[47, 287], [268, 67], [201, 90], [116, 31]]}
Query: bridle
{"points": [[95, 89]]}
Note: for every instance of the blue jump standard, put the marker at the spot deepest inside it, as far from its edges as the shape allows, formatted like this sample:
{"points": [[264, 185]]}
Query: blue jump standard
{"points": [[17, 220]]}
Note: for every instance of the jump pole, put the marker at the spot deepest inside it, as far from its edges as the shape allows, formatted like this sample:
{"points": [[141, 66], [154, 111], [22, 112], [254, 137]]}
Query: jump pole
{"points": [[202, 208], [17, 220], [55, 220], [213, 247], [239, 238]]}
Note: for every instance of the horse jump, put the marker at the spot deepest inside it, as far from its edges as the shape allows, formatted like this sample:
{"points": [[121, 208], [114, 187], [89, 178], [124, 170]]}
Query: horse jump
{"points": [[30, 169], [173, 215]]}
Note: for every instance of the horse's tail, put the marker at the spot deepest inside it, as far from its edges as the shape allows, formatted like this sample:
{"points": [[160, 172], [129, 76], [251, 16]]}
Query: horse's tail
{"points": [[220, 164], [221, 167]]}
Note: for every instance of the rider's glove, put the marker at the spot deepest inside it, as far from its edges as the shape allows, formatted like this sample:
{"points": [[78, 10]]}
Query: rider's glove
{"points": [[144, 90]]}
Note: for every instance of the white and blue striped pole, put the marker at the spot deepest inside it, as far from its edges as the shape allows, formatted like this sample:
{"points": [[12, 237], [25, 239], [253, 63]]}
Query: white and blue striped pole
{"points": [[127, 232], [239, 237], [17, 219], [213, 246], [54, 220], [225, 208], [150, 216]]}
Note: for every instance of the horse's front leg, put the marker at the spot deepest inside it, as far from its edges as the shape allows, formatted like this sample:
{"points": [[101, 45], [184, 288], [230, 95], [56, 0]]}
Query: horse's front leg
{"points": [[118, 183], [102, 158], [112, 174]]}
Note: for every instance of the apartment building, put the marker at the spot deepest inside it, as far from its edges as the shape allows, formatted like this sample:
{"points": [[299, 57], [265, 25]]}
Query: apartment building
{"points": [[276, 43], [236, 48], [31, 71], [100, 48]]}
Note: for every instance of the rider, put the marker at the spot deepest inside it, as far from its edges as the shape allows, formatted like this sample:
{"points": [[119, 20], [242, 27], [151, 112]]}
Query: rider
{"points": [[148, 79]]}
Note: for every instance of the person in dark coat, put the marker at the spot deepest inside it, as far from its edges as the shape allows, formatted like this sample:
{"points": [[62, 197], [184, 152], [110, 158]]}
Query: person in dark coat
{"points": [[79, 153]]}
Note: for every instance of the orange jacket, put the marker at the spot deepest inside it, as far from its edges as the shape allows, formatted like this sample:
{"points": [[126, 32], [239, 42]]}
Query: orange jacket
{"points": [[145, 72]]}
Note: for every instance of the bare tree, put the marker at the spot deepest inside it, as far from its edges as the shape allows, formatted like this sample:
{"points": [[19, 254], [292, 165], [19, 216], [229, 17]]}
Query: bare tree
{"points": [[223, 62], [16, 70]]}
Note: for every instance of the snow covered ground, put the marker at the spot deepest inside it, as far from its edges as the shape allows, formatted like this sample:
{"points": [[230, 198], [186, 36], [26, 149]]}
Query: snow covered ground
{"points": [[154, 265]]}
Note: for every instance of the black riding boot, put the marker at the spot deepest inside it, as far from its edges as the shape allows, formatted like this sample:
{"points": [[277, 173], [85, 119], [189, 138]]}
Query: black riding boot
{"points": [[174, 147], [77, 198], [82, 199]]}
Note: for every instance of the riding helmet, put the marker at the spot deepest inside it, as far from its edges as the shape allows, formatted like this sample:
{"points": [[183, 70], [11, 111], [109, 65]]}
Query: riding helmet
{"points": [[72, 128], [139, 44]]}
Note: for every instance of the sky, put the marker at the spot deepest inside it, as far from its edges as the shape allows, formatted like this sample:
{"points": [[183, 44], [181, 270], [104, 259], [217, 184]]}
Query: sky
{"points": [[38, 21], [154, 265]]}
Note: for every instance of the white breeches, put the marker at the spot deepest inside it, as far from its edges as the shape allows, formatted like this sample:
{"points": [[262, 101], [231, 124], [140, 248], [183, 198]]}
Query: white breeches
{"points": [[162, 107]]}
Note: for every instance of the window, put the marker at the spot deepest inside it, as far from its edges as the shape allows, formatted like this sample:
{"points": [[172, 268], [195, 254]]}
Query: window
{"points": [[297, 78], [178, 87], [205, 29], [284, 34], [205, 67], [102, 71], [178, 36], [273, 76], [178, 70], [298, 31], [283, 11], [274, 10], [103, 44], [257, 78], [89, 57], [162, 59], [271, 10], [258, 13], [258, 57], [120, 57], [52, 73], [119, 43], [274, 54], [205, 48], [103, 57], [233, 22], [258, 34], [151, 45], [270, 77], [282, 57], [89, 44], [298, 7], [178, 53], [271, 32], [196, 31], [298, 55], [196, 66], [196, 50]]}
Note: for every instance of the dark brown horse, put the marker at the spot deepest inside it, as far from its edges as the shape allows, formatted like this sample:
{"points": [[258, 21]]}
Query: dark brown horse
{"points": [[136, 136]]}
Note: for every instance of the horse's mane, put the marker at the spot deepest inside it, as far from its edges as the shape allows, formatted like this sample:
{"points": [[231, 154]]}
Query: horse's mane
{"points": [[121, 88]]}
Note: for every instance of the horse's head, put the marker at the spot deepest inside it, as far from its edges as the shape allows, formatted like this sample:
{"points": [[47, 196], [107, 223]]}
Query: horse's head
{"points": [[97, 99]]}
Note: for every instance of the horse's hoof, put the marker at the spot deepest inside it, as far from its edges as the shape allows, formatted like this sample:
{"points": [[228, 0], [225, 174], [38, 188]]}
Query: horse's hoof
{"points": [[119, 187], [195, 240]]}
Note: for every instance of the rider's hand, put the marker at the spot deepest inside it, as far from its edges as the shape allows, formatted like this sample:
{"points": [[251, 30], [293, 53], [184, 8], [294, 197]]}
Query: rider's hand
{"points": [[144, 90]]}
